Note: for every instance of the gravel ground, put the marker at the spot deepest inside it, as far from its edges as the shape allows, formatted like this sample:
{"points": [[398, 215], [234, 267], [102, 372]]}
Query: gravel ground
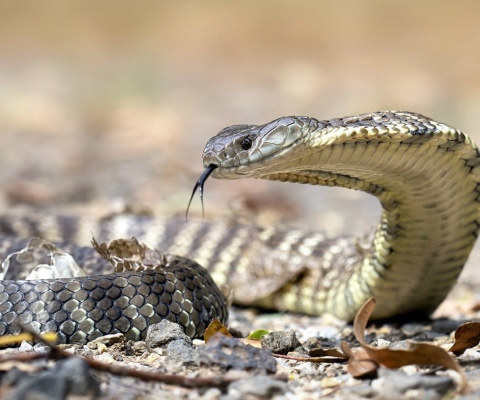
{"points": [[255, 374]]}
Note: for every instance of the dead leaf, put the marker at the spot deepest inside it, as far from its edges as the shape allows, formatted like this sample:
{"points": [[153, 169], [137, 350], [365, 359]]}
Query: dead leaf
{"points": [[360, 365], [213, 328], [418, 354], [329, 352], [130, 255], [252, 342], [466, 337], [7, 340], [313, 359]]}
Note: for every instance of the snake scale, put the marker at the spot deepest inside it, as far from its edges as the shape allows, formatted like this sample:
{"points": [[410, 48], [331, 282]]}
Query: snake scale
{"points": [[425, 174]]}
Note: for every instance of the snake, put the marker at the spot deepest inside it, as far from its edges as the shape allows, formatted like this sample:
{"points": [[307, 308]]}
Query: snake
{"points": [[425, 174]]}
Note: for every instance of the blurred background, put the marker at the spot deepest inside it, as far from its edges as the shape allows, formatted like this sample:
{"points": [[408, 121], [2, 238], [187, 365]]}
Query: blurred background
{"points": [[109, 104]]}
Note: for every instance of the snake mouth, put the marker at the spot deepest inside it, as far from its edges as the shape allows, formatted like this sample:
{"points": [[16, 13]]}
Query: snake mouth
{"points": [[199, 185]]}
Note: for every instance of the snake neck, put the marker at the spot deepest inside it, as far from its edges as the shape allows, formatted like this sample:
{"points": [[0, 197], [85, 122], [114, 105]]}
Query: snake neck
{"points": [[428, 188]]}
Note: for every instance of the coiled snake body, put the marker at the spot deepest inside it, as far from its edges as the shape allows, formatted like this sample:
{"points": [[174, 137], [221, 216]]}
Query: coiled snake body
{"points": [[425, 174]]}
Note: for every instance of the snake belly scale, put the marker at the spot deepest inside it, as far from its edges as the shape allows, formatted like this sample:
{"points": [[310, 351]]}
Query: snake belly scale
{"points": [[425, 174]]}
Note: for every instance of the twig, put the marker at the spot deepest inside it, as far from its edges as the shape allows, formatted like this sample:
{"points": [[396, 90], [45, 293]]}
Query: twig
{"points": [[180, 380], [313, 359], [22, 357]]}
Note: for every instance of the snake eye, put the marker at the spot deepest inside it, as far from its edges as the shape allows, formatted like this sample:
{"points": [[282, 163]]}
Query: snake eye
{"points": [[246, 143]]}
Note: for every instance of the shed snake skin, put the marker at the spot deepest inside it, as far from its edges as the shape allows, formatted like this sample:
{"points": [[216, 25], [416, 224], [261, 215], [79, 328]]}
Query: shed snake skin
{"points": [[425, 174]]}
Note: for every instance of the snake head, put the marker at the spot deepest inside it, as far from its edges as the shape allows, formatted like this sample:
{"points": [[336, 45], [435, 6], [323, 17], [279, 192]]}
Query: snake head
{"points": [[242, 150]]}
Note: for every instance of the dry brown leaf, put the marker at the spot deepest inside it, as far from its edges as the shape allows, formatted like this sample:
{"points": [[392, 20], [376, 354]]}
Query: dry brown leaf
{"points": [[215, 327], [252, 342], [360, 365], [7, 340], [254, 339], [313, 359], [418, 354], [329, 352], [466, 337]]}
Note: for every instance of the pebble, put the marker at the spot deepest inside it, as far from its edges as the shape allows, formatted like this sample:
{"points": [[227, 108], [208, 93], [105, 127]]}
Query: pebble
{"points": [[411, 328], [315, 344], [13, 377], [25, 346], [280, 342], [68, 377], [229, 353], [41, 387], [428, 336], [164, 332], [473, 378], [471, 354], [78, 374], [210, 394], [383, 343], [446, 326], [182, 353], [106, 358], [391, 382], [259, 387], [106, 341]]}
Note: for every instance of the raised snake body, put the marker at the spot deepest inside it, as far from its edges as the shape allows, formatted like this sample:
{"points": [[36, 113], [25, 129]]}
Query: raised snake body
{"points": [[425, 174]]}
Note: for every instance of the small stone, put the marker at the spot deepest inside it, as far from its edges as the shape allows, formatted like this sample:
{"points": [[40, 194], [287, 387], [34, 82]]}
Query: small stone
{"points": [[412, 329], [152, 358], [106, 341], [397, 382], [67, 348], [212, 394], [446, 325], [45, 386], [181, 352], [280, 342], [13, 377], [78, 375], [25, 346], [101, 348], [164, 332], [41, 348], [430, 336], [362, 391], [259, 387], [69, 377], [230, 353], [400, 345], [136, 348], [329, 382], [471, 354], [320, 343], [106, 358], [199, 342], [383, 343]]}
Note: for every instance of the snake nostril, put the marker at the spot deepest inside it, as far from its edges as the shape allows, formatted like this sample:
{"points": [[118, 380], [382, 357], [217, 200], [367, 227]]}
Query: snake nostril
{"points": [[210, 158]]}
